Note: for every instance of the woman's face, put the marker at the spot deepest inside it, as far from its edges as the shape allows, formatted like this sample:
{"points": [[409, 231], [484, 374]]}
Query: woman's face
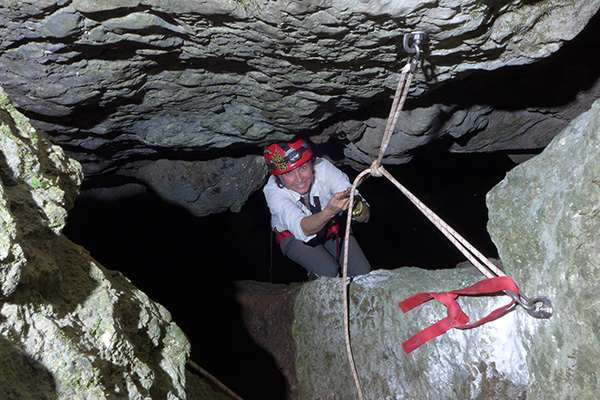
{"points": [[299, 179]]}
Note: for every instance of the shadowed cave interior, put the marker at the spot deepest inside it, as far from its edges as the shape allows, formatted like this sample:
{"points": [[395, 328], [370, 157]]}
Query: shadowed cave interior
{"points": [[188, 263]]}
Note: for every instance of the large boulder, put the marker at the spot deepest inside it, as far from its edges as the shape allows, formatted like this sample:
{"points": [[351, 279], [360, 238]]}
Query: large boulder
{"points": [[487, 362], [205, 187], [69, 328], [545, 220]]}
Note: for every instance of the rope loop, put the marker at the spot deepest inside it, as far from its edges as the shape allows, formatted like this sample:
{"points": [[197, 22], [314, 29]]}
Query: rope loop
{"points": [[376, 170], [538, 307]]}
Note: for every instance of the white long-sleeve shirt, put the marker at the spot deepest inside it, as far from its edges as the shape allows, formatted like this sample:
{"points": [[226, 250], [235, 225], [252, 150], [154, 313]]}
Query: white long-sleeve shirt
{"points": [[287, 209]]}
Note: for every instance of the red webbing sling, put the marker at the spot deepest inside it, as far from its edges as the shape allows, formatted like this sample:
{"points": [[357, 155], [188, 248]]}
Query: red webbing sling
{"points": [[456, 317]]}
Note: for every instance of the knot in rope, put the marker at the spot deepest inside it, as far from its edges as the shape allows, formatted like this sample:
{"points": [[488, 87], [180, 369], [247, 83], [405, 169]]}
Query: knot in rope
{"points": [[538, 307], [375, 169]]}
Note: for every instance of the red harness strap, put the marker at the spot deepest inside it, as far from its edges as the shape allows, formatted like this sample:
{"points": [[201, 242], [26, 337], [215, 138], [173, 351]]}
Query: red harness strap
{"points": [[456, 317], [282, 235]]}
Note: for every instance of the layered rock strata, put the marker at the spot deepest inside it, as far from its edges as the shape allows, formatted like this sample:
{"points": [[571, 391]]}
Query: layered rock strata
{"points": [[121, 84]]}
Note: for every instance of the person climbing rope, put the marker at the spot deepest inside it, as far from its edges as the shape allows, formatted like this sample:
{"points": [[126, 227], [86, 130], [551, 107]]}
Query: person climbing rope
{"points": [[308, 233]]}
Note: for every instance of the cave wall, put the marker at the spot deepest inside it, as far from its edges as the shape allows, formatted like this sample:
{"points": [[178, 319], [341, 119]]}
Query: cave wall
{"points": [[70, 328], [122, 85], [157, 92], [545, 220]]}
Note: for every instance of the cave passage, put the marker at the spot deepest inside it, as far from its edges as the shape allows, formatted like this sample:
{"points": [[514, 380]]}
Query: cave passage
{"points": [[188, 263]]}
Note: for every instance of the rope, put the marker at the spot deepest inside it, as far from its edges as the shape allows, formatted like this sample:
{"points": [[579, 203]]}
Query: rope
{"points": [[213, 380], [345, 287], [399, 100], [463, 246], [397, 105], [482, 263], [376, 169], [271, 257]]}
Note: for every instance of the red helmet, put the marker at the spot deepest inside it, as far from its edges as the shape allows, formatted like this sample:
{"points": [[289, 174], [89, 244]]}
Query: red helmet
{"points": [[283, 157]]}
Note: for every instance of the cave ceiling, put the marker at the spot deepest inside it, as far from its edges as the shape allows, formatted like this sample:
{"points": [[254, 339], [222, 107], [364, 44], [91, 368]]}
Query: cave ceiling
{"points": [[180, 96]]}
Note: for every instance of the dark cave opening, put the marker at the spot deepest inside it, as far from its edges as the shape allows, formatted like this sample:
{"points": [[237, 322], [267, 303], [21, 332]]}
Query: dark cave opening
{"points": [[188, 264]]}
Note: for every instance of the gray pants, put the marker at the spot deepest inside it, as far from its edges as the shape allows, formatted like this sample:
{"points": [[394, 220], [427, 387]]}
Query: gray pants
{"points": [[321, 260]]}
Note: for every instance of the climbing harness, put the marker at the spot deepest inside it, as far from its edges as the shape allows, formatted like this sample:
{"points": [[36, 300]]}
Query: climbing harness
{"points": [[497, 281]]}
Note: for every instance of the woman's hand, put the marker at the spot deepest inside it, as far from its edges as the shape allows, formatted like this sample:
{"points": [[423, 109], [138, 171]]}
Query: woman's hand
{"points": [[314, 223], [339, 202]]}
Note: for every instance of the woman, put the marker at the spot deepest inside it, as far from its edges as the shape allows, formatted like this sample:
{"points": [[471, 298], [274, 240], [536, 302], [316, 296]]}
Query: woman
{"points": [[306, 196]]}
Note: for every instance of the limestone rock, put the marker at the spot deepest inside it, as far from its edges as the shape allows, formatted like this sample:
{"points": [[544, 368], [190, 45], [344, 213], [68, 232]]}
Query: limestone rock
{"points": [[39, 185], [205, 187], [90, 332], [545, 220], [486, 362], [69, 328]]}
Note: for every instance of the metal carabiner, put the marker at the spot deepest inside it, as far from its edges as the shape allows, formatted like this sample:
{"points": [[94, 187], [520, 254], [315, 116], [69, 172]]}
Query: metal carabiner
{"points": [[542, 307], [412, 43], [533, 306]]}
